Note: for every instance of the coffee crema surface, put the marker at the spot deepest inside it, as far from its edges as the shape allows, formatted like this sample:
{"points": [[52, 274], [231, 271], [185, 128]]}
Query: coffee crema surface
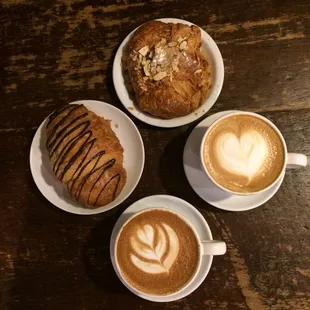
{"points": [[243, 153], [157, 252]]}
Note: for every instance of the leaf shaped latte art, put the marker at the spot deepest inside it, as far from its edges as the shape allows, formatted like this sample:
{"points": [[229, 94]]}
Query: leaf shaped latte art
{"points": [[150, 257]]}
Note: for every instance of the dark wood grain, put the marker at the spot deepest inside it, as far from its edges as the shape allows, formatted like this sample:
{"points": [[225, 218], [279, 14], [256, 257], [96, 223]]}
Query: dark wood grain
{"points": [[54, 52]]}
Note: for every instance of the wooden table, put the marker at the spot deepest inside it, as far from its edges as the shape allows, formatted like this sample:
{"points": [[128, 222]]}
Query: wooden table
{"points": [[55, 52]]}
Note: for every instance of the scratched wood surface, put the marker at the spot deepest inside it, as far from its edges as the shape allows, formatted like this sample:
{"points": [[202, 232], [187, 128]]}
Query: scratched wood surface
{"points": [[54, 52]]}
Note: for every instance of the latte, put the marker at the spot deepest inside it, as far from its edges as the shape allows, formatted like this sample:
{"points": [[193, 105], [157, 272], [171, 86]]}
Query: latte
{"points": [[243, 153], [157, 252]]}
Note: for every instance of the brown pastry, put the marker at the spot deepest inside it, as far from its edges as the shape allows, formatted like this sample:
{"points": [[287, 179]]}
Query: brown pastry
{"points": [[169, 73], [86, 155]]}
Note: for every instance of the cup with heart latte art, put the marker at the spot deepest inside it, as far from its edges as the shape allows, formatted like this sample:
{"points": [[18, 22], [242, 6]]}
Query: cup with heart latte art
{"points": [[158, 253], [244, 153]]}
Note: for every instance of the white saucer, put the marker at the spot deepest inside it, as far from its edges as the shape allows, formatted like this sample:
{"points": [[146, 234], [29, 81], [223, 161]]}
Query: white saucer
{"points": [[130, 139], [213, 53], [184, 209], [204, 187]]}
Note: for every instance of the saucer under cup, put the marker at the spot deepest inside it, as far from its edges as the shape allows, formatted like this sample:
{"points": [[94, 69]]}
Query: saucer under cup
{"points": [[191, 214], [204, 187]]}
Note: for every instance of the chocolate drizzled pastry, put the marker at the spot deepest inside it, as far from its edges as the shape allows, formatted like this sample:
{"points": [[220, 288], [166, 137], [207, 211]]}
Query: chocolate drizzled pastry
{"points": [[167, 69], [85, 155]]}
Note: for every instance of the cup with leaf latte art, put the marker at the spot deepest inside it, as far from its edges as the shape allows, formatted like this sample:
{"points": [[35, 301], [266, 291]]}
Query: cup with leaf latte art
{"points": [[243, 153], [157, 252]]}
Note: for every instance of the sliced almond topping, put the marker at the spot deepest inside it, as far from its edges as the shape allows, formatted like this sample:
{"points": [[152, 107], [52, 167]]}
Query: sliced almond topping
{"points": [[172, 43], [180, 39], [159, 76], [151, 54], [144, 50], [158, 69], [153, 70], [161, 42], [146, 69], [175, 66], [145, 61], [183, 45], [140, 57], [145, 78], [198, 71]]}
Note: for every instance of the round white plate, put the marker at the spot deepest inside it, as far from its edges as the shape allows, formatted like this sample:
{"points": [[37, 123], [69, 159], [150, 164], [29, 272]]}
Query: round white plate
{"points": [[184, 209], [204, 187], [217, 77], [130, 139]]}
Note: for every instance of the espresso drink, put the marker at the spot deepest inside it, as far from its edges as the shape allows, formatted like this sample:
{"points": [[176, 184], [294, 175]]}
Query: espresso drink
{"points": [[157, 252], [243, 153]]}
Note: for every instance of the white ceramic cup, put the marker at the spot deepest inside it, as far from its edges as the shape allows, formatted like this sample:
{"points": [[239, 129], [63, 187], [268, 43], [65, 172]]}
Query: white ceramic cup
{"points": [[291, 160], [207, 247]]}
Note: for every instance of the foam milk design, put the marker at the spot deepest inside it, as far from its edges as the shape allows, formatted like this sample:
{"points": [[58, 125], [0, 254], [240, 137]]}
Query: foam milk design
{"points": [[157, 255], [244, 155]]}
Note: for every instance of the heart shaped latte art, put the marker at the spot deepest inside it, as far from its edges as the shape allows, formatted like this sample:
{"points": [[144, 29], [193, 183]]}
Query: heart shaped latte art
{"points": [[154, 257], [243, 156]]}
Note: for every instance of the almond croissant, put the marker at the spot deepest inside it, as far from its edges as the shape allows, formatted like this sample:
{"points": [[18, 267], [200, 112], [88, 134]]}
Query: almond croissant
{"points": [[169, 73]]}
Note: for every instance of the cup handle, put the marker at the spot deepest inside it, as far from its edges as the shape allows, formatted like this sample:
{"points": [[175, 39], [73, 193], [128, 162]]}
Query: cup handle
{"points": [[213, 247], [295, 160]]}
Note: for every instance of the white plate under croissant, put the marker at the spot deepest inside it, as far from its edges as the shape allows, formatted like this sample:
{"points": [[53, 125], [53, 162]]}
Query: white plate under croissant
{"points": [[208, 47], [133, 161]]}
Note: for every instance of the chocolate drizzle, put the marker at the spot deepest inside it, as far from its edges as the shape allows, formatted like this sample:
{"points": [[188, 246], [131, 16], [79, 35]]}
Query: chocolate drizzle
{"points": [[58, 112], [118, 179], [50, 143], [61, 142]]}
